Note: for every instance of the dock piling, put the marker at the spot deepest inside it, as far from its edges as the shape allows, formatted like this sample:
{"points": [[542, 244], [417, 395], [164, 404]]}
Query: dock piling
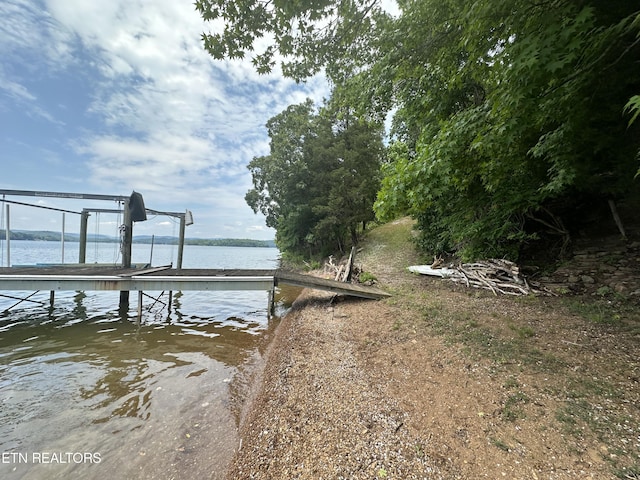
{"points": [[127, 237], [84, 220], [139, 305]]}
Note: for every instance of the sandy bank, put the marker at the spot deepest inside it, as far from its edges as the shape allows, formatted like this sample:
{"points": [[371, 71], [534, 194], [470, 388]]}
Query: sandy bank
{"points": [[318, 413], [443, 382]]}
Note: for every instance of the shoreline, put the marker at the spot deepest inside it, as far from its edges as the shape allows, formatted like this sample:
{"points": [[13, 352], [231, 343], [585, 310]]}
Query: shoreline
{"points": [[314, 412], [255, 406], [441, 381]]}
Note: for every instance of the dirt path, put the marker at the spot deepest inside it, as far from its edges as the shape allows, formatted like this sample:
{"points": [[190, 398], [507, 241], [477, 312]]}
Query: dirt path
{"points": [[443, 382]]}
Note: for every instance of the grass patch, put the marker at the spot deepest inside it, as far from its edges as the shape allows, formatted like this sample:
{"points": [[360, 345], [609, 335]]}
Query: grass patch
{"points": [[500, 444], [511, 383], [393, 235], [568, 418], [367, 277], [629, 473], [485, 342], [607, 310], [597, 311], [512, 409], [522, 332], [588, 408]]}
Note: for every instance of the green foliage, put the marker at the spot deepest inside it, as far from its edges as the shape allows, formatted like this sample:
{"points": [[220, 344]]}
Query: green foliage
{"points": [[283, 175], [318, 184], [367, 277], [307, 34], [508, 114], [633, 107], [514, 109], [230, 242]]}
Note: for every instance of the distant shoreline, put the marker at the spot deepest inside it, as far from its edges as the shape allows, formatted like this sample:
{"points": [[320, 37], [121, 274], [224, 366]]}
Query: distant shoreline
{"points": [[49, 236]]}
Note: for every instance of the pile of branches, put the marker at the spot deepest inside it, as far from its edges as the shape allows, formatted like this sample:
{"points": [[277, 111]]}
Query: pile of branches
{"points": [[343, 271], [499, 276]]}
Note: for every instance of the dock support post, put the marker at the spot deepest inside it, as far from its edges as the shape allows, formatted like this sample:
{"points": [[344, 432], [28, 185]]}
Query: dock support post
{"points": [[139, 306], [62, 239], [127, 236], [183, 224], [52, 297], [84, 219], [7, 231]]}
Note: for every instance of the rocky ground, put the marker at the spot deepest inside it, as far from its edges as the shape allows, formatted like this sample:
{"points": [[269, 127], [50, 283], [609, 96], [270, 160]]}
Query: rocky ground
{"points": [[445, 382]]}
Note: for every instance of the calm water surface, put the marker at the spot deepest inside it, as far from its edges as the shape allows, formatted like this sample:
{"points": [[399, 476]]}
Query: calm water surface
{"points": [[86, 392]]}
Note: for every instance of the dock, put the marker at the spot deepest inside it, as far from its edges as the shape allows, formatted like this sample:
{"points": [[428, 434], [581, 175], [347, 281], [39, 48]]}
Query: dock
{"points": [[90, 278], [82, 277], [128, 277]]}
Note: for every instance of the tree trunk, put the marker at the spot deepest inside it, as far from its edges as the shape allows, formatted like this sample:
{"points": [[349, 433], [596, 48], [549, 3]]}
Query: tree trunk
{"points": [[616, 218]]}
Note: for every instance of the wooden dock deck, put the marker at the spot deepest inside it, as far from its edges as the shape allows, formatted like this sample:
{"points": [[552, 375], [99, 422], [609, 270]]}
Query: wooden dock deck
{"points": [[88, 277]]}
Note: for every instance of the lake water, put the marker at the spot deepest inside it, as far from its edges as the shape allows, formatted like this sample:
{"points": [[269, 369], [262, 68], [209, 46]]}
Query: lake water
{"points": [[86, 392]]}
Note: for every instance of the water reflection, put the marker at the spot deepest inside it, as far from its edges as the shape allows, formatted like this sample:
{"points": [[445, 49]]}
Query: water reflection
{"points": [[75, 378], [126, 354], [157, 400]]}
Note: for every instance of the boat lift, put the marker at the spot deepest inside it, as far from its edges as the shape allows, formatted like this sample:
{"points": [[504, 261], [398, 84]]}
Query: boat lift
{"points": [[133, 210], [165, 278]]}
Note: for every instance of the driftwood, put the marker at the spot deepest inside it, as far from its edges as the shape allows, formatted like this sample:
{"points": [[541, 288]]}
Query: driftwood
{"points": [[344, 271], [499, 276], [349, 268], [338, 277]]}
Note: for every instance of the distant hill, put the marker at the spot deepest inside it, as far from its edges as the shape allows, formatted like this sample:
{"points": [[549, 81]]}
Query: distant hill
{"points": [[215, 242], [140, 239], [49, 236]]}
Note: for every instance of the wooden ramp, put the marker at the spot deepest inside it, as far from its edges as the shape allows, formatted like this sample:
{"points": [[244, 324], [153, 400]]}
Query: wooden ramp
{"points": [[317, 283]]}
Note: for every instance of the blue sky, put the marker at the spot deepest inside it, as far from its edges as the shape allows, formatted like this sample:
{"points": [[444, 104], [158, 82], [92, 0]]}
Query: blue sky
{"points": [[113, 96]]}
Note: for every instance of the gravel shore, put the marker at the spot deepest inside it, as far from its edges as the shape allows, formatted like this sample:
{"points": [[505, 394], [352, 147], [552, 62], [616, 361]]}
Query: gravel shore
{"points": [[319, 414], [442, 382]]}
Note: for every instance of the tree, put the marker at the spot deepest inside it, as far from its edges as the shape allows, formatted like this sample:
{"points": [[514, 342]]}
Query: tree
{"points": [[282, 177], [519, 119], [508, 120], [318, 184], [305, 35]]}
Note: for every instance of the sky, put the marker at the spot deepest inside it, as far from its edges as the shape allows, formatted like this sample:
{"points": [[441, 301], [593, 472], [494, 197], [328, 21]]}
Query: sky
{"points": [[115, 96]]}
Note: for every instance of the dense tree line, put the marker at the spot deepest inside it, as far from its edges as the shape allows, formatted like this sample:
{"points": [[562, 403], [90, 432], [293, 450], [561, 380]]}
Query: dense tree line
{"points": [[35, 235], [50, 236], [318, 183], [512, 118], [229, 242]]}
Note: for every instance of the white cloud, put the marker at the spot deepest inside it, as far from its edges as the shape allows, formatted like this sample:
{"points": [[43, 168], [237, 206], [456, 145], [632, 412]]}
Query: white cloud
{"points": [[21, 39], [161, 85], [15, 89], [27, 27], [20, 95], [172, 123]]}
